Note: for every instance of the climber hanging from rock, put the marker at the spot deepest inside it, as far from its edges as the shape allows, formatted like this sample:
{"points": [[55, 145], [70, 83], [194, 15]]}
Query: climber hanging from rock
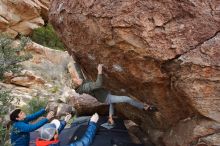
{"points": [[97, 90]]}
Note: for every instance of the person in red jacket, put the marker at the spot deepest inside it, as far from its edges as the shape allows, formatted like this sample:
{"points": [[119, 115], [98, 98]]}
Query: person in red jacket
{"points": [[50, 132]]}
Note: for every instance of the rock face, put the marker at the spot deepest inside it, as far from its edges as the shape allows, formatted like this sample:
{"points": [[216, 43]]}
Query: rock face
{"points": [[166, 53], [44, 75], [47, 75], [22, 16], [193, 131]]}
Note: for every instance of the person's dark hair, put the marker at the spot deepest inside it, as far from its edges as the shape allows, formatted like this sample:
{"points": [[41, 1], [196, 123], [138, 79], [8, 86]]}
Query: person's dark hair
{"points": [[14, 114]]}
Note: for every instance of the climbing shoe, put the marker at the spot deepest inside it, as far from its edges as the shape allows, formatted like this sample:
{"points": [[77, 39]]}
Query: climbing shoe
{"points": [[150, 108]]}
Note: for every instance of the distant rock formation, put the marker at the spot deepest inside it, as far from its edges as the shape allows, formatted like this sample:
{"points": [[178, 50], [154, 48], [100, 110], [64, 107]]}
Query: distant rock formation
{"points": [[47, 76], [163, 52], [22, 16]]}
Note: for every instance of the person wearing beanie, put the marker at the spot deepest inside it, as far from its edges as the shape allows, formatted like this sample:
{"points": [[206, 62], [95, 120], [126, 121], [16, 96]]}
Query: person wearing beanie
{"points": [[21, 128], [49, 133]]}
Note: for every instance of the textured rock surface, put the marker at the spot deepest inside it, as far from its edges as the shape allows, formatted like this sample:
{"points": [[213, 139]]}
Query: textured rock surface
{"points": [[44, 75], [22, 16], [162, 52], [198, 76], [87, 105], [192, 131]]}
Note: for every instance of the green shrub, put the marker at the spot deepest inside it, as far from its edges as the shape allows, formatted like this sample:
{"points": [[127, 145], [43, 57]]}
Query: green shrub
{"points": [[54, 89], [10, 56], [46, 36], [34, 105], [5, 102], [4, 134]]}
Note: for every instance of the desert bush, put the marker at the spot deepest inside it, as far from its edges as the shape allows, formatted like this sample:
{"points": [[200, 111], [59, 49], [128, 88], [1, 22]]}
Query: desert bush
{"points": [[46, 36], [5, 102], [10, 56]]}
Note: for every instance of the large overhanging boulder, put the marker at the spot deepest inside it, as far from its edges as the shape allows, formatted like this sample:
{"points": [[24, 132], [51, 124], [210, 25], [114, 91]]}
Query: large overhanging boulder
{"points": [[161, 52], [22, 16]]}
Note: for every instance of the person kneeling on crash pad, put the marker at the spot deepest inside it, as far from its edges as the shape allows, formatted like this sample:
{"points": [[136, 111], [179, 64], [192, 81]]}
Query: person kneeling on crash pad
{"points": [[49, 133]]}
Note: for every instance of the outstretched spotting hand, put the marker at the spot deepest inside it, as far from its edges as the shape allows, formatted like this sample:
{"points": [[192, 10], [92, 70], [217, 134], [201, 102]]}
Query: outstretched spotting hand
{"points": [[67, 117], [94, 118], [50, 115], [99, 68]]}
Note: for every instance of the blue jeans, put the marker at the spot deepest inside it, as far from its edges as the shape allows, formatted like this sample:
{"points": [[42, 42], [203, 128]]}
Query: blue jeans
{"points": [[111, 99]]}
